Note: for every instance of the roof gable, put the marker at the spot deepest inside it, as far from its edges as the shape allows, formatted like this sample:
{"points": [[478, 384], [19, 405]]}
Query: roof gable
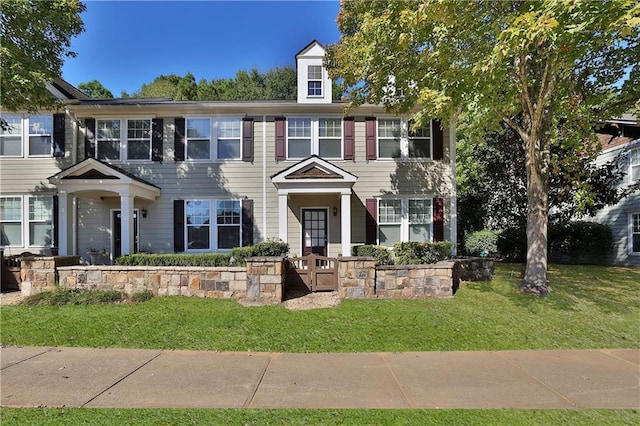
{"points": [[314, 169]]}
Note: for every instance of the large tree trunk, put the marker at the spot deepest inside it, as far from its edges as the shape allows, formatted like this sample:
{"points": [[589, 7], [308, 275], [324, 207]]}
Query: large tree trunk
{"points": [[535, 274]]}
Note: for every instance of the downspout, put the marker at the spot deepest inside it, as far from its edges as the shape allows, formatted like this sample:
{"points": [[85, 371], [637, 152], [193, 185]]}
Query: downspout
{"points": [[264, 176], [454, 191]]}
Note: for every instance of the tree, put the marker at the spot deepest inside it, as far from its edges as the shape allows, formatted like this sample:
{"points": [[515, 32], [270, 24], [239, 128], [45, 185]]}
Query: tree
{"points": [[95, 89], [547, 62], [187, 89], [35, 39]]}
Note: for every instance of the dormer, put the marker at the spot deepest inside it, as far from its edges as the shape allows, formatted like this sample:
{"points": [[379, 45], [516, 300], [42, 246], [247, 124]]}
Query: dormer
{"points": [[314, 84]]}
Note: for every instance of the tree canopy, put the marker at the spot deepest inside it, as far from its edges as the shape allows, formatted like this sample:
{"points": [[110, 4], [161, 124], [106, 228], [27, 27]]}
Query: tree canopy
{"points": [[545, 62], [95, 89], [35, 39]]}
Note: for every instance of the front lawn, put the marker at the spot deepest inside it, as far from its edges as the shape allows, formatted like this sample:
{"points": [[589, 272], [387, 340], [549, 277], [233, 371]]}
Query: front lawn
{"points": [[589, 307]]}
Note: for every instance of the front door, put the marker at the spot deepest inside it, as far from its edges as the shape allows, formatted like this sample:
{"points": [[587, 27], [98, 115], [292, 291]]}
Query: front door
{"points": [[314, 231], [117, 233]]}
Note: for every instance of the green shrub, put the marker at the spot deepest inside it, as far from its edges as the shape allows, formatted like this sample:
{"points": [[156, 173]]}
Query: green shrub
{"points": [[512, 244], [381, 254], [142, 296], [416, 253], [270, 247], [73, 296], [195, 259], [482, 243], [580, 242]]}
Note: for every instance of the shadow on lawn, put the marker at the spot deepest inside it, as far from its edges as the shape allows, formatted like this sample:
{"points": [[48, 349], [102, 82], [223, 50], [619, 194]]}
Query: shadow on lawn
{"points": [[609, 288]]}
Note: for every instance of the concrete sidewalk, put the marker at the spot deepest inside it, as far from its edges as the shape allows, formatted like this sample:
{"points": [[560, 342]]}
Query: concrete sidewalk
{"points": [[132, 378]]}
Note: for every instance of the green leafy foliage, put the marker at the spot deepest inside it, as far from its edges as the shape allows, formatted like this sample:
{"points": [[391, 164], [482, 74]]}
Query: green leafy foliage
{"points": [[381, 254], [95, 89], [35, 37], [142, 296], [416, 253], [270, 247], [580, 242], [482, 243], [73, 296], [195, 259]]}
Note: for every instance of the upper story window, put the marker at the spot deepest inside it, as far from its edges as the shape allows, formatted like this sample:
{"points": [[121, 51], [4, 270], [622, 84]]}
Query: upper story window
{"points": [[120, 139], [314, 80], [217, 139], [319, 136], [397, 140], [32, 134], [634, 165], [108, 139], [138, 139]]}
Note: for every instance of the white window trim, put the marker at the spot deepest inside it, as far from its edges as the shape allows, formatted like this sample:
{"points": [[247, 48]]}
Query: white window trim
{"points": [[315, 136], [630, 251], [213, 226], [25, 221], [124, 123], [213, 139], [404, 141], [24, 137], [632, 166], [404, 218], [321, 81], [27, 136]]}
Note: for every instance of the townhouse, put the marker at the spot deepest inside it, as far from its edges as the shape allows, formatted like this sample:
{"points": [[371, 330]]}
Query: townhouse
{"points": [[119, 176]]}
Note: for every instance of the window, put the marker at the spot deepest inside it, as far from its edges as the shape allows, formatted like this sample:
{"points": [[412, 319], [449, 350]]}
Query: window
{"points": [[198, 214], [634, 165], [37, 217], [40, 224], [314, 82], [634, 233], [198, 139], [419, 142], [389, 138], [311, 135], [228, 221], [11, 139], [226, 216], [108, 139], [298, 137], [40, 134], [404, 219], [228, 139], [139, 139], [11, 221]]}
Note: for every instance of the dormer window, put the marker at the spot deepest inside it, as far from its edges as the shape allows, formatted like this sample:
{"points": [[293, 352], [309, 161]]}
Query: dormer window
{"points": [[314, 80]]}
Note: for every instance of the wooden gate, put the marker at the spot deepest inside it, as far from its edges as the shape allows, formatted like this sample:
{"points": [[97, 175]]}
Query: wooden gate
{"points": [[317, 273]]}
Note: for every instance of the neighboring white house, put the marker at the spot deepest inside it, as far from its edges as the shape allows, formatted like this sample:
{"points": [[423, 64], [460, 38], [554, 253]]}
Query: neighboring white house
{"points": [[622, 137], [156, 175]]}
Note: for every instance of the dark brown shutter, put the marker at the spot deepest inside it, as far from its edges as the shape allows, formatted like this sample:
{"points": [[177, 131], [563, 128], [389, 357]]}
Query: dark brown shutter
{"points": [[438, 219], [247, 139], [157, 129], [349, 138], [281, 138], [179, 141], [370, 134], [438, 142], [372, 221], [247, 223], [178, 226], [55, 221], [58, 135], [90, 138]]}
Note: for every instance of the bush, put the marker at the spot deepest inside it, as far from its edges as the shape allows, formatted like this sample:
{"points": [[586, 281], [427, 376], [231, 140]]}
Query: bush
{"points": [[196, 259], [381, 254], [512, 244], [142, 296], [580, 242], [482, 243], [73, 296], [416, 253], [270, 247]]}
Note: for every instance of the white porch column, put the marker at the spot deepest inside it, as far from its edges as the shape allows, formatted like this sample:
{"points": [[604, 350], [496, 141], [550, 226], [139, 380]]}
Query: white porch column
{"points": [[63, 224], [126, 224], [282, 216], [345, 222]]}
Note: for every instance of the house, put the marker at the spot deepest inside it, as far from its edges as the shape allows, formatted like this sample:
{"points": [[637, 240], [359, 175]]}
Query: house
{"points": [[620, 138], [156, 175]]}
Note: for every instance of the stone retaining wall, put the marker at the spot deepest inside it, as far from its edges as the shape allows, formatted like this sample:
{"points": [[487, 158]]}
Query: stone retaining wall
{"points": [[41, 273]]}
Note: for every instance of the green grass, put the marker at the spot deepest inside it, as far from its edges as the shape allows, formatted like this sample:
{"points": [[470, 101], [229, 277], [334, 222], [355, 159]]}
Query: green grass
{"points": [[589, 307], [81, 416]]}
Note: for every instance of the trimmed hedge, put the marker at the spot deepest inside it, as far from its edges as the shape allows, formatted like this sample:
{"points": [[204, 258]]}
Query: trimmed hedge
{"points": [[482, 243], [270, 247], [416, 253], [381, 254], [169, 259]]}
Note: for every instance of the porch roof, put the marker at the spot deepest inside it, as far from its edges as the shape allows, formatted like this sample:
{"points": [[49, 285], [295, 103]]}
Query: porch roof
{"points": [[313, 174]]}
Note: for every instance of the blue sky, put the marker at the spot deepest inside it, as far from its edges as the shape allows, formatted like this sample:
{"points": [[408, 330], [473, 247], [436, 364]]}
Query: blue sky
{"points": [[128, 43]]}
